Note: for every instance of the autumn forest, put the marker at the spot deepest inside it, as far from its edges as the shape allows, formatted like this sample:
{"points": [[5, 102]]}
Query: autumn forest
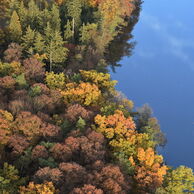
{"points": [[64, 128]]}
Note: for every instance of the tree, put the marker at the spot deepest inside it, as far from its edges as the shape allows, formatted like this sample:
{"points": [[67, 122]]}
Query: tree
{"points": [[44, 188], [68, 32], [55, 49], [55, 81], [28, 41], [87, 189], [179, 180], [39, 44], [13, 53], [9, 179], [55, 20], [15, 28], [85, 93], [74, 12]]}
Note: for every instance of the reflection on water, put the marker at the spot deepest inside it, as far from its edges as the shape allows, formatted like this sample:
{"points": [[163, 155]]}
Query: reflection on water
{"points": [[123, 44], [161, 72]]}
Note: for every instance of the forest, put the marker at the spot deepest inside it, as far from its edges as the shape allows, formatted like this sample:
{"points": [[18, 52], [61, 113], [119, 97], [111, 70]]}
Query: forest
{"points": [[64, 128]]}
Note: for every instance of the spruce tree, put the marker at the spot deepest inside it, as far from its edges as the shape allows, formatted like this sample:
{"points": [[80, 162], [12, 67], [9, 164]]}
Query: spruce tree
{"points": [[55, 50], [15, 28], [39, 43], [55, 20], [68, 34], [28, 41], [74, 9]]}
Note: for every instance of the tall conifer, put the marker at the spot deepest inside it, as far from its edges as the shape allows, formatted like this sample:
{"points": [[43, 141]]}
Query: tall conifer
{"points": [[15, 28]]}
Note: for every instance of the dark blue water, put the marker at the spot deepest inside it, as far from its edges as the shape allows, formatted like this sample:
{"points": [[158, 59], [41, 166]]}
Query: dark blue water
{"points": [[161, 73]]}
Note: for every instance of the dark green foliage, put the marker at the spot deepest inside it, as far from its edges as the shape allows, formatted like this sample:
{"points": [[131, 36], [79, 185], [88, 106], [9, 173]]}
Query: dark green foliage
{"points": [[50, 162], [9, 179]]}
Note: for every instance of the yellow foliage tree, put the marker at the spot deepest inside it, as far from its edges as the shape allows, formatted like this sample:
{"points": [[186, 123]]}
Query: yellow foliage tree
{"points": [[55, 81], [84, 93], [32, 188], [6, 119], [102, 80]]}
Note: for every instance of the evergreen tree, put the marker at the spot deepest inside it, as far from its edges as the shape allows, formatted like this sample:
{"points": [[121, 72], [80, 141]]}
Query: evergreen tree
{"points": [[74, 10], [55, 18], [55, 50], [28, 40], [39, 43], [23, 13], [34, 15], [68, 34], [15, 27]]}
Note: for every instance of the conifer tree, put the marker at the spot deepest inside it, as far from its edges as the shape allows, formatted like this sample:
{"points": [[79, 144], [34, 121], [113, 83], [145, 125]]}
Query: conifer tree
{"points": [[74, 10], [28, 40], [55, 18], [68, 34], [15, 27], [23, 12], [55, 50], [39, 43]]}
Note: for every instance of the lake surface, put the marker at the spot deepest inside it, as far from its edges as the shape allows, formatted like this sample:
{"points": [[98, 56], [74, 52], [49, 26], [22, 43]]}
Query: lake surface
{"points": [[161, 73]]}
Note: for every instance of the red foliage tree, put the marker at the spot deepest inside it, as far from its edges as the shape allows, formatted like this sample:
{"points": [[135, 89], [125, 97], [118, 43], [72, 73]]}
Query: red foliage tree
{"points": [[47, 174], [39, 152], [33, 69], [75, 111], [13, 53], [87, 189]]}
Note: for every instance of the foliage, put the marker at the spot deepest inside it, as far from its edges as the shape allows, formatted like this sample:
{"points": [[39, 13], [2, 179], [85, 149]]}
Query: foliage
{"points": [[81, 123], [15, 28], [102, 80], [69, 130], [55, 81], [21, 81], [35, 91], [179, 180], [33, 188], [84, 93], [9, 179]]}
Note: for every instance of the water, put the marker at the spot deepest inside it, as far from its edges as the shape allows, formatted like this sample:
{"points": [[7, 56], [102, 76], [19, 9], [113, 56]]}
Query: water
{"points": [[161, 73]]}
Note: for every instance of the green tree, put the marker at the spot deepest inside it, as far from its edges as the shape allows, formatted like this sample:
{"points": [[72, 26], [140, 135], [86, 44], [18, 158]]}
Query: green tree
{"points": [[68, 33], [178, 181], [55, 20], [39, 43], [55, 49], [23, 13], [15, 27], [74, 10], [9, 179], [28, 41], [88, 33], [81, 123]]}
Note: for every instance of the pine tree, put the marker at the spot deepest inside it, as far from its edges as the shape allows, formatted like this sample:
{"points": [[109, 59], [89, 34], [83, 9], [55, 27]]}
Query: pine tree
{"points": [[15, 27], [39, 43], [68, 34], [28, 40]]}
